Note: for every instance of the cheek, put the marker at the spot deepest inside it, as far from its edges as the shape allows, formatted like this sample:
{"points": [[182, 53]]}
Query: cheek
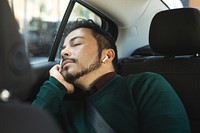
{"points": [[86, 60], [86, 55]]}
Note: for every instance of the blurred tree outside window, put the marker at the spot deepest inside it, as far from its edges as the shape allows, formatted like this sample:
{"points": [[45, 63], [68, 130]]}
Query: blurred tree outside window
{"points": [[38, 22]]}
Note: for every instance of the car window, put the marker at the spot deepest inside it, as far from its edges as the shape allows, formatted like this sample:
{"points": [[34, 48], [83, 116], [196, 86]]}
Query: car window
{"points": [[80, 12], [179, 3], [38, 22], [192, 3], [173, 3]]}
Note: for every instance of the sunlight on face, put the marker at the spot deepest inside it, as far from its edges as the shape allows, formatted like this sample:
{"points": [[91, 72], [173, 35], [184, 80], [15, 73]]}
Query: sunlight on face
{"points": [[80, 55]]}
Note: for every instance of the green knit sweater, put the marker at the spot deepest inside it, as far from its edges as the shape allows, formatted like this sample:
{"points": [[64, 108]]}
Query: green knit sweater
{"points": [[141, 103]]}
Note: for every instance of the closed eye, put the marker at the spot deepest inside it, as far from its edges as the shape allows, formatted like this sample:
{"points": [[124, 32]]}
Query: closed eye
{"points": [[76, 44]]}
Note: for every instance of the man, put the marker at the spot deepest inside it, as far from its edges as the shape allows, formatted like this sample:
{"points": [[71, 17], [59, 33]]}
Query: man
{"points": [[143, 103]]}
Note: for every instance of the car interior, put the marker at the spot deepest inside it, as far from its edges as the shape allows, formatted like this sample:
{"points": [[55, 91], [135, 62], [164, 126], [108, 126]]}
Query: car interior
{"points": [[151, 35], [15, 78]]}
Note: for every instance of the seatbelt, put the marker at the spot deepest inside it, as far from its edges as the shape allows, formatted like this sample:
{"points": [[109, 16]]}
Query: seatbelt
{"points": [[97, 121]]}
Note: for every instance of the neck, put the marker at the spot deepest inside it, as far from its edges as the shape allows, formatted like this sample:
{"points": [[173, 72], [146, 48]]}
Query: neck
{"points": [[87, 81]]}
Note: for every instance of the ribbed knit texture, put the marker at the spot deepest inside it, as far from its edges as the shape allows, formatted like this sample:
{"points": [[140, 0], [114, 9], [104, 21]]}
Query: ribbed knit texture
{"points": [[141, 103]]}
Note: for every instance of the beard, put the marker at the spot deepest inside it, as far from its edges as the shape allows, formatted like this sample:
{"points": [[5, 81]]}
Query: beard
{"points": [[71, 78]]}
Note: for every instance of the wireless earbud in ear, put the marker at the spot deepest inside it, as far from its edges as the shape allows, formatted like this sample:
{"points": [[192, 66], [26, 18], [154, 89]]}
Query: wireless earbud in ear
{"points": [[105, 58]]}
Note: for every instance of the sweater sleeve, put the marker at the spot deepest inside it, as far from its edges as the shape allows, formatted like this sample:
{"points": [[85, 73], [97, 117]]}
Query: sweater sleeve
{"points": [[160, 109], [50, 96]]}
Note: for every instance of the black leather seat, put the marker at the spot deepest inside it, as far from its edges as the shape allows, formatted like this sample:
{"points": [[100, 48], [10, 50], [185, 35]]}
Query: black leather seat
{"points": [[15, 76], [175, 36]]}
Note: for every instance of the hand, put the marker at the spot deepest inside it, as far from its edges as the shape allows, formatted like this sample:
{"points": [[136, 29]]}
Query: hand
{"points": [[54, 72]]}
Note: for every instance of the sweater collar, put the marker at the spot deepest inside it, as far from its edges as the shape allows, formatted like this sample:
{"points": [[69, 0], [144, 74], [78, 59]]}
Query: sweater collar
{"points": [[100, 83]]}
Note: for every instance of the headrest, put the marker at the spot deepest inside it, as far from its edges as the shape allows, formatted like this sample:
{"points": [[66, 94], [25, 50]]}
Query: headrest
{"points": [[15, 70], [176, 32]]}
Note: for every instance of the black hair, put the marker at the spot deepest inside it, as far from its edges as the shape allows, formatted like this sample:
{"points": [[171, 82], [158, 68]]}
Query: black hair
{"points": [[103, 38]]}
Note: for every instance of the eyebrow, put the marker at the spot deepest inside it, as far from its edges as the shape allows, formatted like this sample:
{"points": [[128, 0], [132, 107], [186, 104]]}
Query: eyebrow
{"points": [[74, 38]]}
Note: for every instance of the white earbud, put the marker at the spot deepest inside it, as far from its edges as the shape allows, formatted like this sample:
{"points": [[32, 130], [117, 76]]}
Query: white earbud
{"points": [[105, 58]]}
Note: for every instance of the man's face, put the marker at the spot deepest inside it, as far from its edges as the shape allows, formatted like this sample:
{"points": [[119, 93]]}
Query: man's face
{"points": [[79, 54]]}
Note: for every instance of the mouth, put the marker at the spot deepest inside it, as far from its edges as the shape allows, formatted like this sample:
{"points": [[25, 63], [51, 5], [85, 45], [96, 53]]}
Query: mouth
{"points": [[65, 62]]}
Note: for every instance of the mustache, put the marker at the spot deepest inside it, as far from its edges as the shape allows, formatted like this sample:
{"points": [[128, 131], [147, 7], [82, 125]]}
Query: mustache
{"points": [[71, 59], [66, 59]]}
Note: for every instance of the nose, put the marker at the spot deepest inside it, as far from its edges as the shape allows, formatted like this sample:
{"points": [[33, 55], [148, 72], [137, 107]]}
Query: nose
{"points": [[66, 52]]}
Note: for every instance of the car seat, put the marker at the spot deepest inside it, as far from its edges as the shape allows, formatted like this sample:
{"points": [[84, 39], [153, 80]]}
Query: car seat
{"points": [[175, 35]]}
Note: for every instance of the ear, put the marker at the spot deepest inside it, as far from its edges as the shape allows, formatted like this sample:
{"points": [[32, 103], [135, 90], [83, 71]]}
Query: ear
{"points": [[108, 52]]}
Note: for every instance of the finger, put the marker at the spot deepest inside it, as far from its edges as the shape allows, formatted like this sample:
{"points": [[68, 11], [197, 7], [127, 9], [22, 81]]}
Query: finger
{"points": [[57, 67]]}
